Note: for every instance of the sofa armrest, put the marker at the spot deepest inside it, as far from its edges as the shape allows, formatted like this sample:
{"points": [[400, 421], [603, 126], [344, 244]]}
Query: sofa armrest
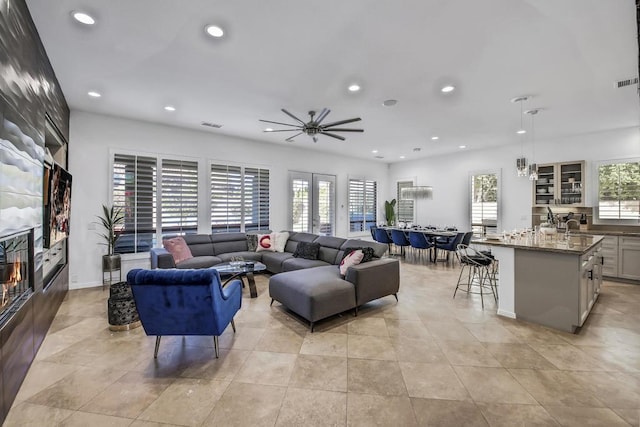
{"points": [[374, 279], [161, 258]]}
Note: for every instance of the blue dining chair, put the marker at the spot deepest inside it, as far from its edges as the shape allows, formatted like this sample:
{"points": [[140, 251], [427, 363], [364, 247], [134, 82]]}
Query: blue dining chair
{"points": [[400, 239], [383, 237], [184, 302], [418, 240], [451, 245], [373, 229]]}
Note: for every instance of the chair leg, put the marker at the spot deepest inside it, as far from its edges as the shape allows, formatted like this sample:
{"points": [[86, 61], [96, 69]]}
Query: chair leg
{"points": [[215, 346], [311, 325], [271, 302], [355, 312], [155, 353], [233, 325], [396, 295]]}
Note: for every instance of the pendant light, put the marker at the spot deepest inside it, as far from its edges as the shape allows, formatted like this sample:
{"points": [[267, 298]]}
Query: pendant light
{"points": [[521, 162], [533, 167]]}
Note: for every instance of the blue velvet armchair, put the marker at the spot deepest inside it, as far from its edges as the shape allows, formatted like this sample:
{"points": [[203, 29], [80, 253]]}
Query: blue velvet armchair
{"points": [[184, 302]]}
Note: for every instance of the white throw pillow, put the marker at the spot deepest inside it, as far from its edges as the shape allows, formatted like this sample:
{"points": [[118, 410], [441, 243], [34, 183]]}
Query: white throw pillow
{"points": [[266, 242], [354, 258], [279, 240]]}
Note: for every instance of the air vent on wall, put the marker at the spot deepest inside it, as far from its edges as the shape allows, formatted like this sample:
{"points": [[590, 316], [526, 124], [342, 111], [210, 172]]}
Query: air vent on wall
{"points": [[626, 82], [211, 125]]}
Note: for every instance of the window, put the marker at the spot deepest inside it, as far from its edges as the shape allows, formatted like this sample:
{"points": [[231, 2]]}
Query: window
{"points": [[179, 198], [362, 205], [619, 191], [134, 191], [239, 198], [404, 206], [484, 202]]}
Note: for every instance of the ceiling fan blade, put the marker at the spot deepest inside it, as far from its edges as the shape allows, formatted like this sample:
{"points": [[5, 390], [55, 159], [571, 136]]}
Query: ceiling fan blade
{"points": [[324, 113], [333, 135], [278, 123], [291, 137], [342, 122], [291, 115], [344, 130], [282, 130]]}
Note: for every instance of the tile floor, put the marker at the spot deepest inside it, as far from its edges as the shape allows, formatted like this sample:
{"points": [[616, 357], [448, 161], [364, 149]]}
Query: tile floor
{"points": [[427, 360]]}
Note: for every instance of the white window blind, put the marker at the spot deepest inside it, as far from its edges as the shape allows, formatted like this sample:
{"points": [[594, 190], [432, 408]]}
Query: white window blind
{"points": [[404, 206], [239, 198], [619, 191], [179, 197], [362, 204], [484, 202], [300, 204], [134, 191]]}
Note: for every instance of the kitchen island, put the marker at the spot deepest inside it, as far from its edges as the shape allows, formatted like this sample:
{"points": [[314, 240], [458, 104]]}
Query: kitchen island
{"points": [[552, 281]]}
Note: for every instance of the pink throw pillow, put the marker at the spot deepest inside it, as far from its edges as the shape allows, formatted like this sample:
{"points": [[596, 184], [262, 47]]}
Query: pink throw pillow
{"points": [[178, 248], [266, 242], [354, 258]]}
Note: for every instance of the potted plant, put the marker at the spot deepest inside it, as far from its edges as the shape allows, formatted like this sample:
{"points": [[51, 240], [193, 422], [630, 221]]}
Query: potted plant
{"points": [[111, 220], [389, 212]]}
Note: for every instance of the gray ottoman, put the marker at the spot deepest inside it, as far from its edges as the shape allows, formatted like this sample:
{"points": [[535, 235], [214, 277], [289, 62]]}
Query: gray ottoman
{"points": [[313, 293]]}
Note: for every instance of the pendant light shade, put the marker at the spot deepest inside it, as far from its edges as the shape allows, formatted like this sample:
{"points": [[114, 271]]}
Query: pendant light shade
{"points": [[521, 162], [533, 167]]}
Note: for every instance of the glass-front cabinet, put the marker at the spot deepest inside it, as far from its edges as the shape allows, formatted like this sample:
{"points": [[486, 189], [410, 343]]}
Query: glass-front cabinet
{"points": [[560, 184]]}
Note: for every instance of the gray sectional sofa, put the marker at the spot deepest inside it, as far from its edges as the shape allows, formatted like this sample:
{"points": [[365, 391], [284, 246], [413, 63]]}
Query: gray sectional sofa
{"points": [[312, 288]]}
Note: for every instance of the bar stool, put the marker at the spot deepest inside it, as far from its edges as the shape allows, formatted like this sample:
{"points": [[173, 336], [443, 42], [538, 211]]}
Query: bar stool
{"points": [[480, 273]]}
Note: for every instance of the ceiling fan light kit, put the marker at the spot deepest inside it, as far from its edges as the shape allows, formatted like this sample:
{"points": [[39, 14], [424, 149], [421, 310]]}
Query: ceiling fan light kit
{"points": [[314, 126]]}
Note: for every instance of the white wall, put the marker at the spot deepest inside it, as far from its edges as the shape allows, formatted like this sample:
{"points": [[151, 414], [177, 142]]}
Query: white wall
{"points": [[449, 175], [93, 137]]}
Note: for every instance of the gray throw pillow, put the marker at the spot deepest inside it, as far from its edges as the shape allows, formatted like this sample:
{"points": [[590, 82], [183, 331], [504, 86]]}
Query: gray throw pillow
{"points": [[252, 242], [307, 250]]}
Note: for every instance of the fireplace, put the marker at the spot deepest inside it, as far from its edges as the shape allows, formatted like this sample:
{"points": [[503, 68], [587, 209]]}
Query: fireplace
{"points": [[16, 272]]}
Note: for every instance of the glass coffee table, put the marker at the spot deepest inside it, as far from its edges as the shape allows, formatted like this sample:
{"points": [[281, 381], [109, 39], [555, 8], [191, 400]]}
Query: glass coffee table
{"points": [[234, 270]]}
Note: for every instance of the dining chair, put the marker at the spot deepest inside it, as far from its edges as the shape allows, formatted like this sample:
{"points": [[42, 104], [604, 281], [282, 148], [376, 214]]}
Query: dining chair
{"points": [[419, 241], [400, 239], [450, 245], [383, 237]]}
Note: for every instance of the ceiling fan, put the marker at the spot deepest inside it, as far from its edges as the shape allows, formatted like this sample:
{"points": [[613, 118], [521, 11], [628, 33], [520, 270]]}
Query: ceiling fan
{"points": [[313, 127]]}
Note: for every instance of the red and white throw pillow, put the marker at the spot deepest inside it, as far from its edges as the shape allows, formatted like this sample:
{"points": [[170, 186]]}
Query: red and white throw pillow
{"points": [[178, 248], [266, 242], [354, 258]]}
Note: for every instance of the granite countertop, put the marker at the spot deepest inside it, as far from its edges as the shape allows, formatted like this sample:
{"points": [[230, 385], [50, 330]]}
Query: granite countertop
{"points": [[554, 243], [607, 233]]}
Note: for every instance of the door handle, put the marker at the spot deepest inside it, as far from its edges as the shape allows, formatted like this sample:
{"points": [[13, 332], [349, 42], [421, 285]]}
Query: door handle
{"points": [[590, 274]]}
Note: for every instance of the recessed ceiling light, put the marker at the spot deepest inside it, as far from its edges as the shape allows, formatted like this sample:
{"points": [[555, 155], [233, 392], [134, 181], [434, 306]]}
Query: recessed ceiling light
{"points": [[521, 131], [83, 18], [354, 87], [374, 151], [170, 108], [389, 102], [268, 130], [435, 138], [214, 31], [448, 88], [462, 146], [94, 94], [402, 157]]}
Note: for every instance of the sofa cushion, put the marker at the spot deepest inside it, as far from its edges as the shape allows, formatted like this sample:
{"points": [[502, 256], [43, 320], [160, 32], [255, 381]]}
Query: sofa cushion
{"points": [[178, 248], [307, 250], [274, 260], [353, 258], [329, 248], [280, 240], [295, 238], [200, 244], [203, 261], [293, 263], [369, 253], [379, 248]]}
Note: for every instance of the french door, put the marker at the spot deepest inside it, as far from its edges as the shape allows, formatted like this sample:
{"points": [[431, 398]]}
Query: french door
{"points": [[312, 203]]}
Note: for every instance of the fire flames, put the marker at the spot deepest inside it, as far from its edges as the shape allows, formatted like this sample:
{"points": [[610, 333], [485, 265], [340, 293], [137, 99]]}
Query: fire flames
{"points": [[12, 282]]}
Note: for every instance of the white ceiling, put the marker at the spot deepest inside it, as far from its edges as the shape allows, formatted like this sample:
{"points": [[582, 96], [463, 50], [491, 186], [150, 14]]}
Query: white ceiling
{"points": [[301, 55]]}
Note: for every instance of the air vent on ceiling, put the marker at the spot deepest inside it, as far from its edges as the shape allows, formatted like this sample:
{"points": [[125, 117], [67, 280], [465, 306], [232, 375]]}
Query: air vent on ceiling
{"points": [[211, 125], [379, 157], [626, 82]]}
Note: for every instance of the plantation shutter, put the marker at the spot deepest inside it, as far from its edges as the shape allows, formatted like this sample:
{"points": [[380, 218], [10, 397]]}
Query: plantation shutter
{"points": [[226, 198], [404, 206], [179, 198], [256, 199]]}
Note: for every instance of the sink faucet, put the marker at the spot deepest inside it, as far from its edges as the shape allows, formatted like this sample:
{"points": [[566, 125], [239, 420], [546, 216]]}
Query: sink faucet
{"points": [[566, 224]]}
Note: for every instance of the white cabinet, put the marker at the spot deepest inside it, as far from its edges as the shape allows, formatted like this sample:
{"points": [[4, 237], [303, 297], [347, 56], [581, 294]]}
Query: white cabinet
{"points": [[590, 281], [629, 257], [560, 184]]}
